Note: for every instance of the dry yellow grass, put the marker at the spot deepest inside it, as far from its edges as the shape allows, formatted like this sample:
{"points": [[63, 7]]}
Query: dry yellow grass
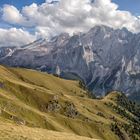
{"points": [[14, 132], [24, 95]]}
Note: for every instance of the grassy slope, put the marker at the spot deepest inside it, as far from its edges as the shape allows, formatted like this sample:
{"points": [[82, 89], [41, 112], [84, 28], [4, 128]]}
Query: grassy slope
{"points": [[24, 95], [10, 131]]}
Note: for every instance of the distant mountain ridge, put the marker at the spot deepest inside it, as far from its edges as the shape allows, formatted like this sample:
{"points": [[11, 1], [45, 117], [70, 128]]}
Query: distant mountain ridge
{"points": [[104, 58]]}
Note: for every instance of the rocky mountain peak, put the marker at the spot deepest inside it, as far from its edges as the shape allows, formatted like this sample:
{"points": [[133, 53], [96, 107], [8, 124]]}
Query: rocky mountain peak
{"points": [[105, 58]]}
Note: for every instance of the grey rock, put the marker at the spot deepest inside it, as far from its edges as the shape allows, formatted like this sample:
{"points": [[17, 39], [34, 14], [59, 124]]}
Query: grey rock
{"points": [[104, 58]]}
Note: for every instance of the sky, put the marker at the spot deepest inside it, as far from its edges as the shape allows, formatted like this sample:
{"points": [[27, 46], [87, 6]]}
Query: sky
{"points": [[20, 3], [23, 21], [129, 5]]}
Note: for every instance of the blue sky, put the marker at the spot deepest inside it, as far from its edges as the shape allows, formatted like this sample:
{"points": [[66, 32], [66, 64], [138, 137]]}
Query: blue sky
{"points": [[130, 5], [20, 3]]}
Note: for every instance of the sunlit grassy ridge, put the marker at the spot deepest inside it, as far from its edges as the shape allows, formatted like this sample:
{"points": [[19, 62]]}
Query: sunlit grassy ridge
{"points": [[32, 102]]}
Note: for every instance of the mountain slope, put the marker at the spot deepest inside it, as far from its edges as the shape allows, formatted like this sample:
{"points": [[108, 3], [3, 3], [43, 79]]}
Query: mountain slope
{"points": [[104, 58], [35, 101], [11, 131]]}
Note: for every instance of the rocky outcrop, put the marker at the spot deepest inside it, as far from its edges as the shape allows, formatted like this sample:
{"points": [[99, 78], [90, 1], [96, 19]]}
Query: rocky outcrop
{"points": [[70, 110], [53, 106]]}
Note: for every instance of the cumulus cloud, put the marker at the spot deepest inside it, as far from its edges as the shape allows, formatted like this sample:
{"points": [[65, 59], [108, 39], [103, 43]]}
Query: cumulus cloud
{"points": [[12, 15], [14, 37], [51, 18]]}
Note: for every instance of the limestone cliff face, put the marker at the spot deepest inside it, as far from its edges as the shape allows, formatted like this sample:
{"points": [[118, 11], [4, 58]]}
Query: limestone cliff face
{"points": [[106, 59]]}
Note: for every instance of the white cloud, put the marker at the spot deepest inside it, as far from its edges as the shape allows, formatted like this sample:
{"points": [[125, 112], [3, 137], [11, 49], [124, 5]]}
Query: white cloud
{"points": [[15, 37], [70, 16], [12, 15]]}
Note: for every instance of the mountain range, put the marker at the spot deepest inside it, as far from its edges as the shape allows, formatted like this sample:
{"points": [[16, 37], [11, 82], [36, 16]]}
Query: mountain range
{"points": [[105, 59]]}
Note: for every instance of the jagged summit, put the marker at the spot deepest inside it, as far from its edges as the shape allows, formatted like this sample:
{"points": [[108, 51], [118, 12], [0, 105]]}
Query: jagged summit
{"points": [[105, 58]]}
